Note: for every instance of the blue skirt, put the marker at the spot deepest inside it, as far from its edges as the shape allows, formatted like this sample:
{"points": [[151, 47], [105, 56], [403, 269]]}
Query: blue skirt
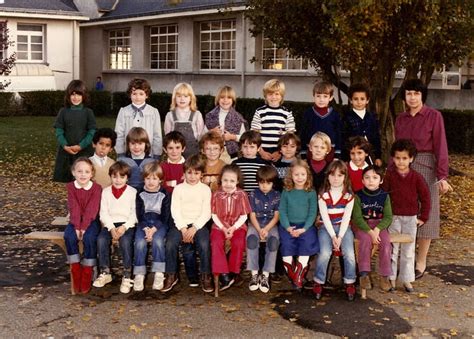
{"points": [[306, 244]]}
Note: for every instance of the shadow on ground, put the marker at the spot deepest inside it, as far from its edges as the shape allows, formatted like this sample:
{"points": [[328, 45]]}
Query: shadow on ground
{"points": [[453, 274]]}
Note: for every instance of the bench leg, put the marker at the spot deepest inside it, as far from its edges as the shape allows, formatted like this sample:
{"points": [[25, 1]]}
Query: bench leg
{"points": [[363, 293], [216, 285]]}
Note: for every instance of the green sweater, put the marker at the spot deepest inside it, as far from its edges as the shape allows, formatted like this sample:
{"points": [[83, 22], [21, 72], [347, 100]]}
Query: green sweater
{"points": [[75, 125], [372, 206], [298, 206]]}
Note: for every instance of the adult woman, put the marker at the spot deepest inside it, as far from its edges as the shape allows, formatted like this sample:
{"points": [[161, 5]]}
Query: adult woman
{"points": [[425, 127]]}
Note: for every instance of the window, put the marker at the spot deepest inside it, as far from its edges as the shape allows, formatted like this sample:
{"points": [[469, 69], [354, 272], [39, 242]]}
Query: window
{"points": [[119, 49], [279, 58], [3, 40], [218, 44], [164, 47], [30, 43]]}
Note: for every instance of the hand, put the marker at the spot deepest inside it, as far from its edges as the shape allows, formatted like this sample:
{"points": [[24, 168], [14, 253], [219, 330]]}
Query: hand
{"points": [[378, 162], [298, 232], [375, 235], [79, 234], [419, 222], [171, 183], [206, 180], [263, 233], [336, 242], [276, 156], [229, 136], [76, 148], [216, 129], [229, 232], [69, 150], [114, 234], [265, 155], [190, 234], [149, 231], [444, 187]]}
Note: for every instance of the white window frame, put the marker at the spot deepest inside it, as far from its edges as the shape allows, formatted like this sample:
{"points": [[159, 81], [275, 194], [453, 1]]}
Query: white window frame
{"points": [[217, 53], [165, 47], [3, 31], [449, 74], [31, 43], [119, 53], [280, 59]]}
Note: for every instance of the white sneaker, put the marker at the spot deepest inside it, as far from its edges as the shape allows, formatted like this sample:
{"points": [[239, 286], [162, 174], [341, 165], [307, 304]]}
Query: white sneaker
{"points": [[102, 280], [126, 285], [138, 282], [159, 281]]}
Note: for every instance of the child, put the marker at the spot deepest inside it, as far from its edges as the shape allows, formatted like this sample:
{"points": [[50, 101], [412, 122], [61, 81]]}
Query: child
{"points": [[359, 122], [298, 210], [103, 142], [185, 117], [137, 156], [322, 118], [319, 147], [289, 146], [212, 146], [139, 114], [74, 127], [83, 198], [411, 204], [249, 163], [118, 216], [359, 149], [229, 208], [263, 218], [191, 210], [335, 206], [153, 212], [272, 120], [372, 214], [174, 145], [226, 120]]}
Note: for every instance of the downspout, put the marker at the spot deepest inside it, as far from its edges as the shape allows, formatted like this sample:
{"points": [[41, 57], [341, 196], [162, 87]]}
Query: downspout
{"points": [[244, 57]]}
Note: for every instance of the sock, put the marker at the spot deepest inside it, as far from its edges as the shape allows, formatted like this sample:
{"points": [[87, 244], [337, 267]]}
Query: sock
{"points": [[303, 259], [288, 259], [159, 274], [254, 272]]}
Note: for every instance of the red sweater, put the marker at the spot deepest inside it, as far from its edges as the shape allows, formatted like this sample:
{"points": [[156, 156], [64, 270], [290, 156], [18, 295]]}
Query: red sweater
{"points": [[355, 174], [172, 172], [408, 193], [83, 204]]}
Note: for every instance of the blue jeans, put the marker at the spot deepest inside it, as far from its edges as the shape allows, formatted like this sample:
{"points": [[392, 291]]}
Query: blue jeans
{"points": [[271, 249], [89, 241], [104, 241], [157, 248], [325, 252], [201, 245]]}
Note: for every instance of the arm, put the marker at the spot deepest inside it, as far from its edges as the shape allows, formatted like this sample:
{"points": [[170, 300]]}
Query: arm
{"points": [[168, 126], [424, 198], [140, 208], [157, 142], [273, 222], [105, 216], [256, 124], [440, 147], [92, 208], [217, 221], [357, 217], [132, 214], [290, 123], [239, 222], [176, 208], [346, 218], [166, 209], [60, 137], [73, 207], [205, 207], [254, 221], [387, 215], [323, 211], [199, 123], [91, 127], [121, 133], [312, 212], [284, 221]]}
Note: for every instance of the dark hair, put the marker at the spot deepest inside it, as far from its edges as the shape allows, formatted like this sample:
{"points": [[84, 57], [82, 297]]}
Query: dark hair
{"points": [[377, 169], [138, 134], [267, 174], [251, 137], [174, 136], [106, 133], [401, 145], [121, 168], [234, 169], [285, 140], [415, 85], [78, 87], [360, 142], [359, 87], [195, 162], [333, 167], [139, 84]]}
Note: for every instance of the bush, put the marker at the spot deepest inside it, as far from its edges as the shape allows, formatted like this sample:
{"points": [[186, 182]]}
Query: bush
{"points": [[7, 104], [459, 127], [101, 103], [42, 103]]}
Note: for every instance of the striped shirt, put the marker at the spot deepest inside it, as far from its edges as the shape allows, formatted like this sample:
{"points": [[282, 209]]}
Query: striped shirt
{"points": [[249, 168], [272, 122]]}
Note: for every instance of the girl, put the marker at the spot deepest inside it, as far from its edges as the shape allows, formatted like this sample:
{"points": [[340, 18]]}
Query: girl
{"points": [[74, 127], [318, 149], [298, 211], [137, 155], [229, 208], [83, 196], [225, 120], [289, 146], [335, 206], [185, 117]]}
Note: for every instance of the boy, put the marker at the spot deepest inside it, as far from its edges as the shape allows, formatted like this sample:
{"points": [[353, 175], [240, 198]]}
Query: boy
{"points": [[289, 146], [103, 142], [153, 212], [139, 114], [319, 147], [212, 146], [322, 118], [118, 216], [272, 120], [372, 214], [359, 149], [263, 218], [359, 122], [191, 210], [174, 145], [249, 163], [411, 204]]}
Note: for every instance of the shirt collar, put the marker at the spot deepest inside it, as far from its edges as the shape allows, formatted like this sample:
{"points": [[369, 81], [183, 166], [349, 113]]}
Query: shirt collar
{"points": [[98, 160], [181, 161], [88, 186], [355, 168]]}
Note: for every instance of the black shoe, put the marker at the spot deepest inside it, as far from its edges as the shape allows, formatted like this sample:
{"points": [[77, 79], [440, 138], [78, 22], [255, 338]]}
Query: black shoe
{"points": [[308, 285], [238, 280], [193, 282], [275, 278], [226, 281], [419, 274]]}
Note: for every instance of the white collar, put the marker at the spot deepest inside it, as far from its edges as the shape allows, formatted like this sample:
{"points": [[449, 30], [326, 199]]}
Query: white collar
{"points": [[88, 186], [98, 160], [141, 157], [136, 106], [181, 161], [360, 112], [355, 168]]}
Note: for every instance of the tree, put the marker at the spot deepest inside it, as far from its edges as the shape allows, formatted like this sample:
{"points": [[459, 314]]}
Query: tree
{"points": [[371, 39], [6, 61]]}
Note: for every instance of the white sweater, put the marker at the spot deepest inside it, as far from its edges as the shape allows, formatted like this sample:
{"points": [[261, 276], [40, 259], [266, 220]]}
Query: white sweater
{"points": [[113, 210], [191, 204]]}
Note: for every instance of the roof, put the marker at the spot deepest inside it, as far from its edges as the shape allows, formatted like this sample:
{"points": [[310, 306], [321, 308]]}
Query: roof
{"points": [[40, 6], [136, 8]]}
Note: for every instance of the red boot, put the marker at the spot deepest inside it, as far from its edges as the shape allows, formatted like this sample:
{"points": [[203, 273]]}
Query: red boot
{"points": [[76, 273], [86, 280], [290, 270], [300, 274]]}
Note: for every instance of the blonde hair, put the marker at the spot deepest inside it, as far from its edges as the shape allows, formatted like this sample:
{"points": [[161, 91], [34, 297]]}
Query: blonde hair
{"points": [[87, 161], [183, 88], [288, 182], [272, 86], [324, 138], [153, 168], [225, 91]]}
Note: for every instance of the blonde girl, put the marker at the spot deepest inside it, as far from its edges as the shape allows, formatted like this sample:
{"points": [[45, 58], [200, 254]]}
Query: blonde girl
{"points": [[185, 117], [298, 209]]}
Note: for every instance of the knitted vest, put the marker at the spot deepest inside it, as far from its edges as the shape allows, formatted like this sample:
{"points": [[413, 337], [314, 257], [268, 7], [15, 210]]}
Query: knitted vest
{"points": [[336, 210], [233, 122], [372, 203]]}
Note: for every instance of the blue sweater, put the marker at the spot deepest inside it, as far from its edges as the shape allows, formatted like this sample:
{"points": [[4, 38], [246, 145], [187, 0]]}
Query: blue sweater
{"points": [[354, 125], [330, 123]]}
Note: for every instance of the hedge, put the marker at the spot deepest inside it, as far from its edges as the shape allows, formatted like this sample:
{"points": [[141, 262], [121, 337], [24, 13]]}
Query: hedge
{"points": [[459, 124]]}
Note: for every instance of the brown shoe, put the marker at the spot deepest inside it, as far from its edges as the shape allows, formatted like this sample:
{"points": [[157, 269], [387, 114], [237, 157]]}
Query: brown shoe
{"points": [[385, 284], [365, 282], [207, 283], [170, 281]]}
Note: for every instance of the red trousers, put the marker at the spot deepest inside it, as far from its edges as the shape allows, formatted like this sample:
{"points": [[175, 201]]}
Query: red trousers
{"points": [[219, 261]]}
